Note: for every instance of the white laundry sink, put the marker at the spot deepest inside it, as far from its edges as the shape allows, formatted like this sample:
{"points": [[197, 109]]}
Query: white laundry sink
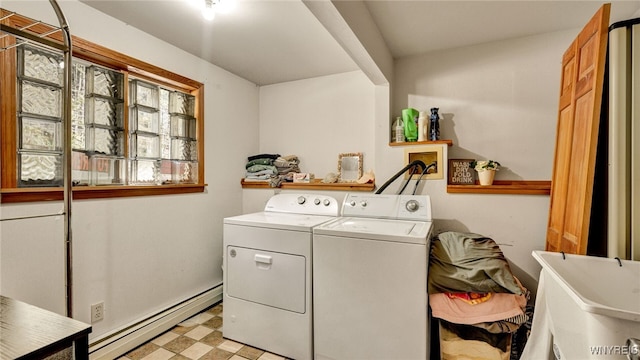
{"points": [[587, 307]]}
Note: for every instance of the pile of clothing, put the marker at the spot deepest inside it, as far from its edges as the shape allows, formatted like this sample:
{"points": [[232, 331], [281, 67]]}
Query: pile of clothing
{"points": [[474, 294], [287, 166], [271, 168]]}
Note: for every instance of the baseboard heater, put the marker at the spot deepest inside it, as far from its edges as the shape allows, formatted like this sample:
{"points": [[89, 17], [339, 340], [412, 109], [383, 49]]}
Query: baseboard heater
{"points": [[115, 344]]}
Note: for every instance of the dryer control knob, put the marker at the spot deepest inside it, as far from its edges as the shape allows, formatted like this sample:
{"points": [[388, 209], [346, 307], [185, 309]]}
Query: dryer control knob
{"points": [[412, 205], [316, 201], [352, 203], [301, 200], [363, 203], [326, 202]]}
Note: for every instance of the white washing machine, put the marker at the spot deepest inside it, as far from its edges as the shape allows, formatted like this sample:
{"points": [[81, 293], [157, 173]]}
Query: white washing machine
{"points": [[267, 273], [370, 279]]}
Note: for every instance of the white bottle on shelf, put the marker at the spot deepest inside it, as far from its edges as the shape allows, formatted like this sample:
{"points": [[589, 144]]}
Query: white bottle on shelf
{"points": [[397, 130], [423, 123]]}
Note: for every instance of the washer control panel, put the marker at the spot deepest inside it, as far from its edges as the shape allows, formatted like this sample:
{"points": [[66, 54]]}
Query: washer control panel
{"points": [[310, 204], [404, 207]]}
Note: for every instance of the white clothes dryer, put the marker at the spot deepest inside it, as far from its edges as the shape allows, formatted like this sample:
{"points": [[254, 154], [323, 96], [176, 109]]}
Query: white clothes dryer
{"points": [[370, 279], [267, 273]]}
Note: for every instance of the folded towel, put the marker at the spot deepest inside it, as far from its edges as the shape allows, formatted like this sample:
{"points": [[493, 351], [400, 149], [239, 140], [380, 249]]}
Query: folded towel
{"points": [[260, 161], [268, 172], [286, 162], [257, 168], [263, 156]]}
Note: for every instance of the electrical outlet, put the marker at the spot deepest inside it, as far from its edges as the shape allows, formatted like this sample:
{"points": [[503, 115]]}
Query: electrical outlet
{"points": [[97, 312]]}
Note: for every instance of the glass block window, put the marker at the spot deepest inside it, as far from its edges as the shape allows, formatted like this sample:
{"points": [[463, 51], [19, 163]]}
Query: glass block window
{"points": [[77, 106], [104, 82], [100, 131], [39, 104], [182, 132], [40, 64], [165, 125], [40, 99], [162, 140], [131, 122], [40, 168], [96, 114], [40, 134]]}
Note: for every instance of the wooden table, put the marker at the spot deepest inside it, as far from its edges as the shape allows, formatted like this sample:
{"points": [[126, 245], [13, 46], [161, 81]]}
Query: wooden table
{"points": [[29, 332]]}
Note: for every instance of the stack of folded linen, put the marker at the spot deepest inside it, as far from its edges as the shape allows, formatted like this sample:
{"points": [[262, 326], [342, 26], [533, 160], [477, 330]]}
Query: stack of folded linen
{"points": [[260, 167], [271, 168], [475, 294], [287, 164]]}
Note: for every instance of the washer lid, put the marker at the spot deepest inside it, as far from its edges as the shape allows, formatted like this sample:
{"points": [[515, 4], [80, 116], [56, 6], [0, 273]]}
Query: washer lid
{"points": [[407, 231], [275, 220]]}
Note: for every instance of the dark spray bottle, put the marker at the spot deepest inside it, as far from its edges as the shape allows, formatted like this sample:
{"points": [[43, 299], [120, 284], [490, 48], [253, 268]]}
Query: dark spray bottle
{"points": [[434, 125]]}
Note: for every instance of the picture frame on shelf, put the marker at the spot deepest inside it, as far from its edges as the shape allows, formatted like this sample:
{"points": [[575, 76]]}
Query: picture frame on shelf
{"points": [[349, 167], [460, 172]]}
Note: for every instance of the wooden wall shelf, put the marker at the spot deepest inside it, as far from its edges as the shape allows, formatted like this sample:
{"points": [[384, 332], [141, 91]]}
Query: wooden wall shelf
{"points": [[314, 185], [427, 142], [514, 187]]}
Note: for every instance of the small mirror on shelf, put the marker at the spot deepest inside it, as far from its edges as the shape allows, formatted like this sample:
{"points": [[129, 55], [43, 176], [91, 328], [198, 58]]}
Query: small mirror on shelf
{"points": [[349, 167]]}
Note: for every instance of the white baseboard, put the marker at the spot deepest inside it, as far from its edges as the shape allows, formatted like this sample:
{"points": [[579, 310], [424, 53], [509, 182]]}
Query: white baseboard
{"points": [[116, 344]]}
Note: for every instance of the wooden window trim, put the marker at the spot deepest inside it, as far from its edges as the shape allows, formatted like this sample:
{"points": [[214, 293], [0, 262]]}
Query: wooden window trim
{"points": [[100, 55], [95, 192]]}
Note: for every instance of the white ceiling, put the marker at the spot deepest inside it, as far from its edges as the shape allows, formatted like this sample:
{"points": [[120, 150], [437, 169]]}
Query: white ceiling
{"points": [[273, 41]]}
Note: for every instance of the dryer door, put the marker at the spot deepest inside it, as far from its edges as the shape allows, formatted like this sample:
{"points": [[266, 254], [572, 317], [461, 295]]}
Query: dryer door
{"points": [[267, 278]]}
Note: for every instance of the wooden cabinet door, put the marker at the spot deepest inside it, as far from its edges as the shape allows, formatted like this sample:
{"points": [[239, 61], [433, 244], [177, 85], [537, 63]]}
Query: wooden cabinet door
{"points": [[577, 135]]}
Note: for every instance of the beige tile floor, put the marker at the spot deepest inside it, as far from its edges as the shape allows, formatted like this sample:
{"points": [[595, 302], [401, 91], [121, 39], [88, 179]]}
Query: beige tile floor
{"points": [[198, 338]]}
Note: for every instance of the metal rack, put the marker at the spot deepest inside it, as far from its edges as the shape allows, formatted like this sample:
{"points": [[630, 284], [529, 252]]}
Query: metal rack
{"points": [[65, 47]]}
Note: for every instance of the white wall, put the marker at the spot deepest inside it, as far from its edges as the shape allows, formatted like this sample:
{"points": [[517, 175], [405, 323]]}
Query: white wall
{"points": [[499, 101], [317, 119], [138, 255]]}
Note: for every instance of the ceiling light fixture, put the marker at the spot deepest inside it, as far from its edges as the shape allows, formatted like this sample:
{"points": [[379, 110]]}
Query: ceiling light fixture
{"points": [[208, 12], [211, 7]]}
